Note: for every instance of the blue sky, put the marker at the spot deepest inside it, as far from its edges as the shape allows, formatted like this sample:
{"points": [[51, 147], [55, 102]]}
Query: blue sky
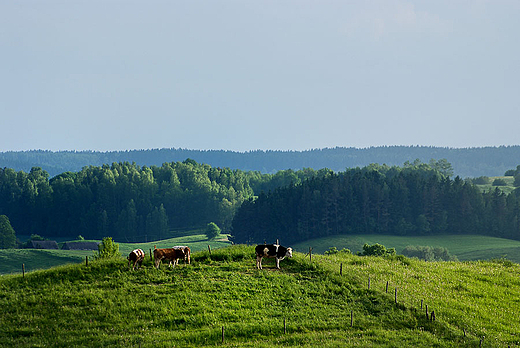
{"points": [[247, 75]]}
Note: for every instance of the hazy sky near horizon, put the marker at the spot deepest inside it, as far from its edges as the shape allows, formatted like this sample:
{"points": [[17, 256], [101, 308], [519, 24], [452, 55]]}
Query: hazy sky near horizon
{"points": [[245, 75]]}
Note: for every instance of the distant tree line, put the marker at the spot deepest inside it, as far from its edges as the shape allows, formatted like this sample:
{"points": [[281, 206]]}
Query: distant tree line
{"points": [[416, 199], [467, 162]]}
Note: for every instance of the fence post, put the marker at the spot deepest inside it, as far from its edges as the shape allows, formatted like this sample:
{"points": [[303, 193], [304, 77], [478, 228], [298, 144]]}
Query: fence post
{"points": [[222, 334], [284, 326], [351, 318], [86, 261], [341, 269], [23, 270], [209, 249], [151, 255], [369, 283], [387, 286], [395, 296], [310, 254]]}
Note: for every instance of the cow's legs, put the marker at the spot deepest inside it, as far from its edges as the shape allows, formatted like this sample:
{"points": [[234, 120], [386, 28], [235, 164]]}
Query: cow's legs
{"points": [[278, 263], [259, 262]]}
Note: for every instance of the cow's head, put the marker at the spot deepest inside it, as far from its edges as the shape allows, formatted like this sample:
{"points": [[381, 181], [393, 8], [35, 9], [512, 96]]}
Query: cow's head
{"points": [[288, 253]]}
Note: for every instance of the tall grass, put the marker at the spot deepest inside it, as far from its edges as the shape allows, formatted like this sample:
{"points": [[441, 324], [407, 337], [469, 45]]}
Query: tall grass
{"points": [[107, 304]]}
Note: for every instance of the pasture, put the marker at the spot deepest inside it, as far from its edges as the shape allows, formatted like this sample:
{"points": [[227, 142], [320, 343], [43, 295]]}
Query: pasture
{"points": [[37, 259], [223, 300], [465, 247]]}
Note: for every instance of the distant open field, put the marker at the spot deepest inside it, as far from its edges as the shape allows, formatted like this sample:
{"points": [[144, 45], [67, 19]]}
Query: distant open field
{"points": [[465, 247], [506, 189], [11, 260]]}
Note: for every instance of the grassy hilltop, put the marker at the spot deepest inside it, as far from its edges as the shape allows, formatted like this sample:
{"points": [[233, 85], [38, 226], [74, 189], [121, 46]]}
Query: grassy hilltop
{"points": [[106, 304]]}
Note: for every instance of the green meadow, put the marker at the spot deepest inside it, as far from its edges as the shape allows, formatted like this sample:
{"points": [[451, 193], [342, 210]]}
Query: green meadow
{"points": [[465, 247], [222, 300]]}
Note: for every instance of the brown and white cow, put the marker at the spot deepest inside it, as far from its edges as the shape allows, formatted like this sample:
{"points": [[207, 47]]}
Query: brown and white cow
{"points": [[170, 254], [137, 257], [271, 251], [187, 253]]}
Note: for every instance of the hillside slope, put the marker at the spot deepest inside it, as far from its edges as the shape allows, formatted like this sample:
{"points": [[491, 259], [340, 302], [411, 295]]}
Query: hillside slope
{"points": [[106, 304]]}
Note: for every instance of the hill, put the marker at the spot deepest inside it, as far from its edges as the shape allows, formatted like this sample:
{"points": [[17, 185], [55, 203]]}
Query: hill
{"points": [[467, 162], [223, 300]]}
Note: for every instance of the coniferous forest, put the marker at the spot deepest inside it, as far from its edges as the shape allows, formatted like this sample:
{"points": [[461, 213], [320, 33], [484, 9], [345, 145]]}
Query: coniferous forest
{"points": [[413, 200], [139, 203]]}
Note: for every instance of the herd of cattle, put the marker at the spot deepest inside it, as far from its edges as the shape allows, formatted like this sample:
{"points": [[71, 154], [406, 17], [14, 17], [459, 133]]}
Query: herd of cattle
{"points": [[183, 252]]}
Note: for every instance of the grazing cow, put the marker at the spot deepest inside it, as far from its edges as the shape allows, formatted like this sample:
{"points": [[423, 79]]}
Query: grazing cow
{"points": [[137, 257], [271, 250], [187, 253], [171, 254]]}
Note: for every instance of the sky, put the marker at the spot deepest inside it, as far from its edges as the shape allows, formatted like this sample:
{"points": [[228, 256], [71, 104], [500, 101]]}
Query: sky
{"points": [[110, 75]]}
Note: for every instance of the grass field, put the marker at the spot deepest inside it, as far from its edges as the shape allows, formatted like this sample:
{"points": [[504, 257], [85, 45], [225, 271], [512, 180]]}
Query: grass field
{"points": [[465, 247], [305, 304], [506, 189], [11, 260]]}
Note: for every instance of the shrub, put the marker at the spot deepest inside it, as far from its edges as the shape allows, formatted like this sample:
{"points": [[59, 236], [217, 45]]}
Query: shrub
{"points": [[212, 231], [499, 182], [107, 249], [428, 253], [376, 250], [334, 250], [481, 180]]}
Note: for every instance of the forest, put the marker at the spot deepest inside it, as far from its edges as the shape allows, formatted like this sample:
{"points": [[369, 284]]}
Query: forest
{"points": [[466, 162], [139, 203], [415, 199], [131, 202]]}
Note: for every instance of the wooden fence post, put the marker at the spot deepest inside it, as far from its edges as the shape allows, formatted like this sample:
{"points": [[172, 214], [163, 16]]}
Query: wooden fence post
{"points": [[341, 269], [395, 296], [86, 261], [310, 254], [151, 255], [422, 304], [23, 270], [222, 334], [351, 318], [209, 249], [369, 283], [427, 315], [387, 286], [284, 326]]}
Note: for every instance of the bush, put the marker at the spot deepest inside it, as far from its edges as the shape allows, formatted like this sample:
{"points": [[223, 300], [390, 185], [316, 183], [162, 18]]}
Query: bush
{"points": [[334, 250], [376, 250], [428, 253], [212, 231], [481, 180], [499, 182], [107, 249]]}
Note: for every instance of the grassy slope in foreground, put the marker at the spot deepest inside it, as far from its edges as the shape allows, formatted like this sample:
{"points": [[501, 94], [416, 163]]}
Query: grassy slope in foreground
{"points": [[106, 304], [465, 247]]}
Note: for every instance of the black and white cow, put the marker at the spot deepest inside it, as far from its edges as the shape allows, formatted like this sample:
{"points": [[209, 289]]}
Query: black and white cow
{"points": [[271, 251], [137, 257]]}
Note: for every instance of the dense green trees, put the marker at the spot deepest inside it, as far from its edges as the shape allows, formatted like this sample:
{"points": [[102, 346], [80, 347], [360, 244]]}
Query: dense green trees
{"points": [[416, 199], [122, 200]]}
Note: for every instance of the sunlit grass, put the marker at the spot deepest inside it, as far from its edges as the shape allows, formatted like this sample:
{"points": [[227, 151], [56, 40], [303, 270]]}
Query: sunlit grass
{"points": [[107, 304]]}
